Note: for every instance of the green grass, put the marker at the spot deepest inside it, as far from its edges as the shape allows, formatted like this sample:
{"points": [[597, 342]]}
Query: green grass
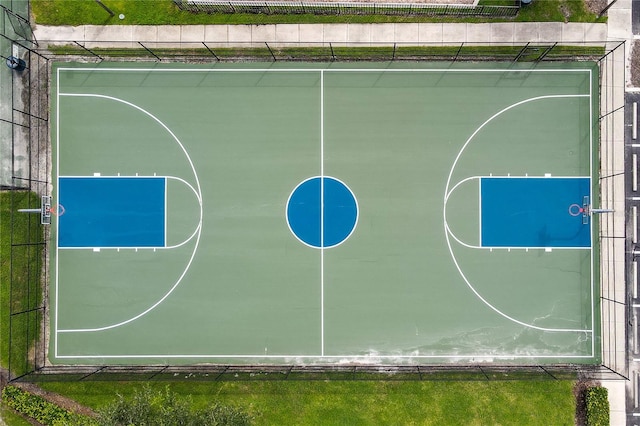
{"points": [[364, 402], [158, 12], [11, 418], [345, 53], [558, 10], [20, 273]]}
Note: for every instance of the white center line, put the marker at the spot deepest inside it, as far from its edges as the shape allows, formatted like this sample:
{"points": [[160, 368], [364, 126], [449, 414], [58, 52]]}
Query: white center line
{"points": [[322, 212]]}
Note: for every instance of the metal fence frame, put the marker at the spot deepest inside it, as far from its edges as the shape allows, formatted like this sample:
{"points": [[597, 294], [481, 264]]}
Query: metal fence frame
{"points": [[31, 127], [614, 293], [478, 372], [348, 8], [97, 51], [27, 167]]}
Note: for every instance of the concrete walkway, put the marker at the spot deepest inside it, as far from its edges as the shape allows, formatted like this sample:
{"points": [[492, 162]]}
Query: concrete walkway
{"points": [[619, 28], [314, 34]]}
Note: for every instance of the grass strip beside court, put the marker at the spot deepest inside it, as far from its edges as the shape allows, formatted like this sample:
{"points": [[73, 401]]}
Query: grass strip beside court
{"points": [[11, 418], [302, 402], [326, 53], [20, 275], [164, 12]]}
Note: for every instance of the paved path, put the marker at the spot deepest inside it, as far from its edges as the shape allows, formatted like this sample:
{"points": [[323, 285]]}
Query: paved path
{"points": [[620, 28], [313, 34]]}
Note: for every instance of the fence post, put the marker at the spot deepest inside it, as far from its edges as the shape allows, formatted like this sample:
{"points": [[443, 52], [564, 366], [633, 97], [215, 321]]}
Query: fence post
{"points": [[270, 51], [602, 12], [162, 370], [548, 372], [92, 373], [546, 52], [612, 50], [219, 376], [486, 376], [148, 50], [458, 52], [211, 51], [109, 11], [521, 52], [333, 56], [88, 50]]}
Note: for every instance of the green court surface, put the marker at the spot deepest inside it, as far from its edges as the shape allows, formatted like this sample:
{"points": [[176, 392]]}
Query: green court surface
{"points": [[237, 281]]}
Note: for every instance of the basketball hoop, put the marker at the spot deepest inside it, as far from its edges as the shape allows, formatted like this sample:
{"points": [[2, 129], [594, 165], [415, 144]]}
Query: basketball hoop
{"points": [[57, 210], [576, 210], [583, 210], [46, 210]]}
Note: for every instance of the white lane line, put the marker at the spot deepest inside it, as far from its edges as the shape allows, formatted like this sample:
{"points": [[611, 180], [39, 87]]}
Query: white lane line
{"points": [[634, 172], [634, 127]]}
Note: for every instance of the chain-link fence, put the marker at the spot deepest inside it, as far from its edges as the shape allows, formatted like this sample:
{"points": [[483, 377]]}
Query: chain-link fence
{"points": [[325, 51], [330, 372], [25, 171], [24, 122], [270, 7], [613, 288]]}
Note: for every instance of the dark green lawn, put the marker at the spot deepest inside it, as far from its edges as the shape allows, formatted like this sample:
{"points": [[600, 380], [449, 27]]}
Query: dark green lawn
{"points": [[158, 12], [20, 277], [11, 418], [539, 402]]}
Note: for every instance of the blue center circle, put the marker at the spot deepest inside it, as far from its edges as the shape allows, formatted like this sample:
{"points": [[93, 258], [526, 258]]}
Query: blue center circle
{"points": [[322, 212]]}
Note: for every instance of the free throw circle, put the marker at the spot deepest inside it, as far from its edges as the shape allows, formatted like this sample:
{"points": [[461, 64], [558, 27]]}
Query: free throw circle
{"points": [[322, 212]]}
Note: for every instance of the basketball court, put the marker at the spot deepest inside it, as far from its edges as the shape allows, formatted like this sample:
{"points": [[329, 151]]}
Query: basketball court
{"points": [[297, 213]]}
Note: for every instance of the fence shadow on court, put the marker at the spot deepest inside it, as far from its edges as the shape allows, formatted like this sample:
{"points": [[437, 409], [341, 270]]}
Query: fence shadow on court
{"points": [[322, 51]]}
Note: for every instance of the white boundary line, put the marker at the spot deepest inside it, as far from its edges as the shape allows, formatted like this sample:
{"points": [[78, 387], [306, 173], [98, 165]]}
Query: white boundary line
{"points": [[386, 70], [57, 197], [634, 218], [634, 172], [448, 233], [166, 209], [197, 190], [635, 279], [479, 212], [634, 122], [363, 357], [338, 357], [593, 252], [322, 212]]}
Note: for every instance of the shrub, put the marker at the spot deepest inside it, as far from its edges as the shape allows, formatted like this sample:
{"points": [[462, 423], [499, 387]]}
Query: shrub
{"points": [[41, 410], [597, 403], [149, 407]]}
